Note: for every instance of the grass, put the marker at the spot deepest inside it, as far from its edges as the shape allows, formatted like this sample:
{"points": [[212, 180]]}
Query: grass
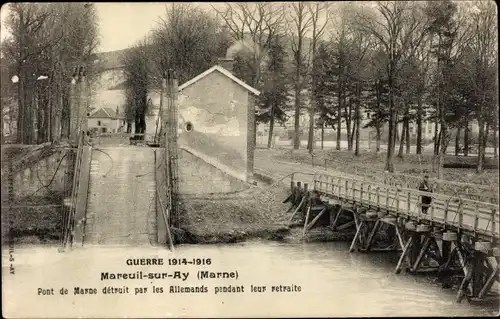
{"points": [[374, 163], [257, 212], [32, 220]]}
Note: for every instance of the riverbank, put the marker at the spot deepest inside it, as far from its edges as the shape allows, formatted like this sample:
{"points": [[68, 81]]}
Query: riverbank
{"points": [[33, 220], [257, 212]]}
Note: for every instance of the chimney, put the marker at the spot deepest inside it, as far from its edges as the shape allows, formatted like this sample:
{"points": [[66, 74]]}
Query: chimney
{"points": [[226, 63]]}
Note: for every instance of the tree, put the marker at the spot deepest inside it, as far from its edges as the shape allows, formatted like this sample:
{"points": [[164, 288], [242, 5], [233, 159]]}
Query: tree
{"points": [[399, 28], [323, 91], [483, 71], [46, 41], [137, 79], [319, 18], [187, 40], [274, 95], [253, 26], [300, 21], [442, 26]]}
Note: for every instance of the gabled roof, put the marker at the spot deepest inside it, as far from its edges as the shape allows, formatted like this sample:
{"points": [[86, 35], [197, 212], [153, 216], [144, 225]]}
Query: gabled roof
{"points": [[223, 71], [103, 112]]}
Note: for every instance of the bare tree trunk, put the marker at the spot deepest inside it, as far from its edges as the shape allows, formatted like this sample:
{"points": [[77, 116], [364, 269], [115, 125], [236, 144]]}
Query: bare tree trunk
{"points": [[436, 139], [351, 138], [377, 119], [389, 166], [28, 113], [57, 109], [21, 108], [402, 141], [65, 115], [395, 132], [358, 123], [466, 137], [339, 118], [486, 137], [322, 135], [296, 136], [407, 135], [48, 112], [379, 137], [419, 126], [40, 113], [480, 144], [443, 140], [495, 136], [271, 128], [457, 141], [397, 138], [310, 137], [446, 141], [348, 119]]}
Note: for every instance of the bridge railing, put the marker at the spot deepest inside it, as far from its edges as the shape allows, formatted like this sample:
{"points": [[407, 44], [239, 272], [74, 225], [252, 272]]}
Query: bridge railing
{"points": [[479, 192], [480, 218], [68, 218]]}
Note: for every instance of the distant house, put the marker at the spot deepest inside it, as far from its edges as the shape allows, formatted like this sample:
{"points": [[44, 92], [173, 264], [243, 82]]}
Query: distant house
{"points": [[106, 120]]}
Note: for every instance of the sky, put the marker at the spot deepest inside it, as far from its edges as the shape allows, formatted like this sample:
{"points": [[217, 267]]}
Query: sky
{"points": [[122, 25]]}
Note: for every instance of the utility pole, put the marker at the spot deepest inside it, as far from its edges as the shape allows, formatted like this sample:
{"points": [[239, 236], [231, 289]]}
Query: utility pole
{"points": [[78, 104], [171, 147]]}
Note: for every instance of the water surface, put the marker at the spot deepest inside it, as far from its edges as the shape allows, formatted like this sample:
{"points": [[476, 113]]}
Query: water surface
{"points": [[333, 283]]}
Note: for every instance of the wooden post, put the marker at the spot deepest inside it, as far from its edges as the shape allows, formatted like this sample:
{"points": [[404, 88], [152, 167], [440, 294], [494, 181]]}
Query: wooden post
{"points": [[307, 216], [298, 208], [369, 196], [415, 247], [316, 219], [305, 193], [489, 281], [478, 271], [408, 208], [372, 234], [403, 256], [334, 224], [493, 226], [423, 250], [356, 236], [399, 236]]}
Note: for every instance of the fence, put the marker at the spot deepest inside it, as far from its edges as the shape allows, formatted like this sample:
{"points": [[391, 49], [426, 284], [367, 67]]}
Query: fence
{"points": [[479, 218]]}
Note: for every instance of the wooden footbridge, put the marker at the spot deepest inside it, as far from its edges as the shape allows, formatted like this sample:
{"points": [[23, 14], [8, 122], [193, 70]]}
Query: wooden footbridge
{"points": [[456, 237]]}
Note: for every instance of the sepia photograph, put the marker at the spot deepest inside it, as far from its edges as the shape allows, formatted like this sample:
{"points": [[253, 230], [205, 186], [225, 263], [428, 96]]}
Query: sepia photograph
{"points": [[250, 159]]}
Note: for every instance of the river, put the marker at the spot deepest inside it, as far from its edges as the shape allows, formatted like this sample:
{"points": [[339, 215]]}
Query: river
{"points": [[332, 281]]}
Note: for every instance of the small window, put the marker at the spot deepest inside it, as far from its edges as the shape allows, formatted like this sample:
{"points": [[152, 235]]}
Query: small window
{"points": [[188, 126], [98, 123]]}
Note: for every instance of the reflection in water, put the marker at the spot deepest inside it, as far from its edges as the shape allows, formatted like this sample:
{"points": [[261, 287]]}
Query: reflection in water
{"points": [[333, 281]]}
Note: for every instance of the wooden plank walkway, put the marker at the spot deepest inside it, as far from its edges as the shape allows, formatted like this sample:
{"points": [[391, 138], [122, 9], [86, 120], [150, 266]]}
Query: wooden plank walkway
{"points": [[452, 212]]}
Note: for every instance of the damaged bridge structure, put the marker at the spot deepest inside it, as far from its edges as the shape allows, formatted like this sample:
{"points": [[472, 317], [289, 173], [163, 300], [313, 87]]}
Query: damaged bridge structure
{"points": [[128, 189], [455, 238]]}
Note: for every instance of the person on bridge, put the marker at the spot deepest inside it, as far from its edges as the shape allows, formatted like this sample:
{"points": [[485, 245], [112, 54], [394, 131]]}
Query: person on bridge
{"points": [[426, 200]]}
